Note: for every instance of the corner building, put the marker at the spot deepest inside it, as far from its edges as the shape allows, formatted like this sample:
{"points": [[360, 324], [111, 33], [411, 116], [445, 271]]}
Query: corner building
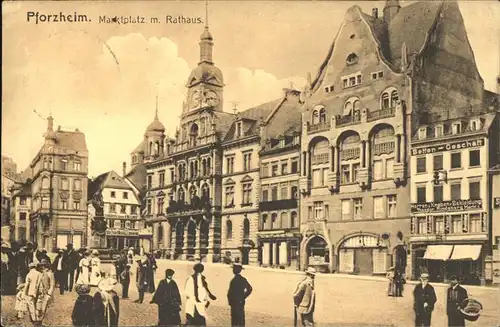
{"points": [[382, 77]]}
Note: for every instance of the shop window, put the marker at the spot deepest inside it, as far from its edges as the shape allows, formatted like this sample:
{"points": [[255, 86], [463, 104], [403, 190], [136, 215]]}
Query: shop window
{"points": [[475, 223], [422, 225], [456, 224], [439, 225]]}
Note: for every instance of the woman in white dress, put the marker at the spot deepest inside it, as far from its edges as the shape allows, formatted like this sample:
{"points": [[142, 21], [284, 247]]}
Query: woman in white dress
{"points": [[95, 268], [84, 266]]}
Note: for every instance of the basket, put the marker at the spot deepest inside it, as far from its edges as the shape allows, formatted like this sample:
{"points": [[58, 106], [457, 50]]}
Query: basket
{"points": [[471, 309]]}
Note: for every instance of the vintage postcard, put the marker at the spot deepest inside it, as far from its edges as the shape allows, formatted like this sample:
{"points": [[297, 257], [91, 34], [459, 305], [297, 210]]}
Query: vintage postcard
{"points": [[260, 163]]}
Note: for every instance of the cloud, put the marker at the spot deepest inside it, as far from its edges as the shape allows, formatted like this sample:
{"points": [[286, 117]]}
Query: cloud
{"points": [[108, 89]]}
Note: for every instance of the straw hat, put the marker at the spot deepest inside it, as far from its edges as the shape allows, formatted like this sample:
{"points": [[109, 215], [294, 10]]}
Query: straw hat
{"points": [[311, 271], [107, 284], [424, 276], [95, 252]]}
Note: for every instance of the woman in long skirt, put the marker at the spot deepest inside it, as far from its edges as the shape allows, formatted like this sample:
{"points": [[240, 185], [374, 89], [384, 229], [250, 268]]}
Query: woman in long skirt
{"points": [[95, 272], [390, 277], [84, 267]]}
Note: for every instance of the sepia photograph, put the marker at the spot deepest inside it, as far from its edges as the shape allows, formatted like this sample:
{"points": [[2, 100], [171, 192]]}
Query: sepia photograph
{"points": [[250, 163]]}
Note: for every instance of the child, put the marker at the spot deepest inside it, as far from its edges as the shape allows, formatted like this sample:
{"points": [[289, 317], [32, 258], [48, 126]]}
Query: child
{"points": [[82, 311], [20, 306], [125, 280]]}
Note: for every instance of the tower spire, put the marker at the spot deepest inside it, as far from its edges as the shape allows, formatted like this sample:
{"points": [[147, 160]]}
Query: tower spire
{"points": [[206, 13], [206, 40], [156, 110]]}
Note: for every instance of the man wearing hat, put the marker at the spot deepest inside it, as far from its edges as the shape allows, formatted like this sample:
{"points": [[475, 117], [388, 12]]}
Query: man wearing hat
{"points": [[304, 297], [424, 299], [168, 299], [455, 296], [239, 290], [197, 297], [47, 286], [141, 280], [32, 291], [70, 261], [59, 273]]}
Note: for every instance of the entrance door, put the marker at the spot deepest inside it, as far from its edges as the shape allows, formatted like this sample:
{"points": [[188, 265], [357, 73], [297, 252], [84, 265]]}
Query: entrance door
{"points": [[77, 241], [363, 261]]}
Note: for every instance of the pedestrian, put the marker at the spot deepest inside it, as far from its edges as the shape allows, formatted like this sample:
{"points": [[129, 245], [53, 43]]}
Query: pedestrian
{"points": [[78, 258], [59, 273], [106, 304], [197, 297], [424, 299], [20, 305], [398, 284], [390, 276], [305, 298], [151, 270], [32, 292], [43, 255], [71, 259], [95, 268], [84, 267], [130, 255], [82, 315], [168, 299], [141, 280], [239, 290], [47, 286], [125, 281], [455, 296]]}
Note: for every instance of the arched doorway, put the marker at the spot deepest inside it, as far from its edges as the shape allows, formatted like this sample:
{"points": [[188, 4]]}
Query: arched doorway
{"points": [[245, 250], [179, 238], [204, 227], [191, 239], [317, 252], [363, 254]]}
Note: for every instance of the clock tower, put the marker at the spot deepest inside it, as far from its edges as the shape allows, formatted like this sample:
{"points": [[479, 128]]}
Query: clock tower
{"points": [[205, 83]]}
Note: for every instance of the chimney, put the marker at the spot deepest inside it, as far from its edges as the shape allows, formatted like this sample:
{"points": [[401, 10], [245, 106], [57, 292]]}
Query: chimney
{"points": [[124, 168], [375, 12]]}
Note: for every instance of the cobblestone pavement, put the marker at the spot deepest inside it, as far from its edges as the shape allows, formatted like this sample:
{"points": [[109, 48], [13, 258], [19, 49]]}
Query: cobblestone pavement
{"points": [[341, 301]]}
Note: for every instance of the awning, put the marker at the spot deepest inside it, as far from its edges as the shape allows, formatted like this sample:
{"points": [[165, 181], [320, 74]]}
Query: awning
{"points": [[466, 252], [438, 252]]}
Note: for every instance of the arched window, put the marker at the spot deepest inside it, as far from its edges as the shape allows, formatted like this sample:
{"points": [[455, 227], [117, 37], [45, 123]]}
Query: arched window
{"points": [[351, 106], [192, 192], [382, 158], [151, 149], [347, 108], [274, 221], [394, 98], [204, 167], [246, 229], [191, 169], [322, 115], [193, 134], [229, 230], [180, 195], [160, 233], [209, 166], [385, 101], [315, 117], [45, 183], [264, 222], [205, 191], [320, 158], [356, 108], [294, 222], [284, 220], [350, 157]]}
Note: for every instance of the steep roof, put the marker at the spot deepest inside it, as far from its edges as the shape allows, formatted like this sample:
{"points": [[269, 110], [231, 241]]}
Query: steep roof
{"points": [[140, 147], [286, 119], [138, 176], [71, 140], [224, 122]]}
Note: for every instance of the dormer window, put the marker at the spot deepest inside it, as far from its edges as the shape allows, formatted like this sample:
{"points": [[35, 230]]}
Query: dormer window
{"points": [[439, 130], [475, 125], [352, 80], [456, 128], [352, 59], [239, 129], [422, 133], [282, 143]]}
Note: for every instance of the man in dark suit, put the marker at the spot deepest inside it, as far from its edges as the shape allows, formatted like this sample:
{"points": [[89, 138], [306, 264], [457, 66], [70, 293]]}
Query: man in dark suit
{"points": [[239, 290], [168, 299], [141, 280], [424, 299], [70, 260], [456, 295], [59, 273]]}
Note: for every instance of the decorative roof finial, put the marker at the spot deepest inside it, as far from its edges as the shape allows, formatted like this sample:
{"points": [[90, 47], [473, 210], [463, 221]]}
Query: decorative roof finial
{"points": [[206, 13], [156, 111], [235, 106]]}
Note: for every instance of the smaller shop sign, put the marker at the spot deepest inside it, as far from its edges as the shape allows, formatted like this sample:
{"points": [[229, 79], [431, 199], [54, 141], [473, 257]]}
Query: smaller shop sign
{"points": [[496, 203], [121, 232], [446, 206]]}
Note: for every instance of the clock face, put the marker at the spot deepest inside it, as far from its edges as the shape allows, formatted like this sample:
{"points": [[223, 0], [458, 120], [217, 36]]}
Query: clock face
{"points": [[211, 98], [195, 99]]}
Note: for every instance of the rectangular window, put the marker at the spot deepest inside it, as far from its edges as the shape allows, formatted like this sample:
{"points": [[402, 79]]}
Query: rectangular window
{"points": [[346, 174], [45, 203], [149, 181], [274, 192], [345, 83], [389, 168], [439, 225], [327, 211], [318, 210], [421, 165], [159, 204], [378, 170], [422, 133], [355, 170], [346, 209], [295, 165], [77, 166], [247, 161], [421, 196], [474, 158], [274, 169], [125, 195], [474, 190], [265, 195], [358, 208], [437, 162], [64, 164], [378, 207], [456, 224], [391, 205], [456, 191], [317, 178], [438, 193], [22, 216], [456, 128], [230, 165], [284, 192], [439, 130], [162, 179], [148, 207], [123, 208], [456, 160], [77, 184], [113, 194], [64, 184], [475, 223], [265, 170], [64, 205], [133, 210], [22, 200], [352, 81], [229, 196], [284, 168], [76, 205], [422, 225], [112, 208], [122, 224]]}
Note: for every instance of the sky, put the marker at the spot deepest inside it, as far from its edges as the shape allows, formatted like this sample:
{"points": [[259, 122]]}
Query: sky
{"points": [[104, 78]]}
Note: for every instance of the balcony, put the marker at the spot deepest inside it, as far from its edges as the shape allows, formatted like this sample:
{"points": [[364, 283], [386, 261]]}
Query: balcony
{"points": [[380, 114], [347, 120], [196, 207], [319, 159], [278, 204], [320, 127]]}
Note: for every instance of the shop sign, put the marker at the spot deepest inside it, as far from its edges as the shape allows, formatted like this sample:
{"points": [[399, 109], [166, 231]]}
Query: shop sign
{"points": [[496, 202], [454, 205], [121, 232], [115, 216], [447, 147]]}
